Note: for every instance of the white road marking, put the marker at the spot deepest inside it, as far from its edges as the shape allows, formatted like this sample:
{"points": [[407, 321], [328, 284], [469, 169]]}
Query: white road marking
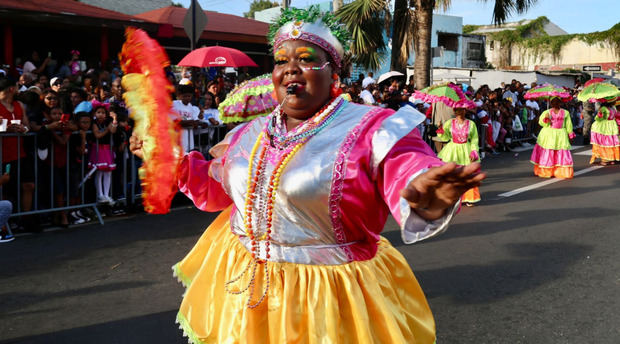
{"points": [[546, 182], [585, 152]]}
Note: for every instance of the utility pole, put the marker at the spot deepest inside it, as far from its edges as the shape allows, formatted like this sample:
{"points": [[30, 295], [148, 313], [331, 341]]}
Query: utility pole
{"points": [[286, 3]]}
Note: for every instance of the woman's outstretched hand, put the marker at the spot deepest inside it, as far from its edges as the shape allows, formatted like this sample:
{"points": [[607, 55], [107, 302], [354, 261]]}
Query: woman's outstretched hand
{"points": [[438, 189], [135, 146]]}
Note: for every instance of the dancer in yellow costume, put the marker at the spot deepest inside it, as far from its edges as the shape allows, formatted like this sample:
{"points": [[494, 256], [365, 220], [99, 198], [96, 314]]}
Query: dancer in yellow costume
{"points": [[297, 257]]}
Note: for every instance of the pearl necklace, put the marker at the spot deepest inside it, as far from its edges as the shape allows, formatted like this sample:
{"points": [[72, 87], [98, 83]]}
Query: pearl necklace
{"points": [[291, 143], [307, 129]]}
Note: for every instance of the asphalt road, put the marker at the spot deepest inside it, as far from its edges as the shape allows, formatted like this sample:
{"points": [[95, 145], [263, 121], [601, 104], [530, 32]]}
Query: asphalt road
{"points": [[542, 266]]}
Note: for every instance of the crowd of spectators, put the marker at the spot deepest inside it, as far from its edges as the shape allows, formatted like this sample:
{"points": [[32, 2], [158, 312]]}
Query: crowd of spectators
{"points": [[65, 132], [77, 128], [504, 117]]}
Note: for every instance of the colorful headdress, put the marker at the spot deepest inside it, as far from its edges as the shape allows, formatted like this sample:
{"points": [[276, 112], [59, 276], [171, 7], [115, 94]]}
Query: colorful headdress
{"points": [[313, 26]]}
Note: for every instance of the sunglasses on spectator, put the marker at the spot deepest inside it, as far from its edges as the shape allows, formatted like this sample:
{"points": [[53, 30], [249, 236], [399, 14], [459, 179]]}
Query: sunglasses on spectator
{"points": [[57, 84]]}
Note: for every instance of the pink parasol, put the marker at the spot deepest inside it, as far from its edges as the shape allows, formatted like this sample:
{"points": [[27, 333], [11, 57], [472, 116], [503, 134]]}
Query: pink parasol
{"points": [[548, 91], [217, 57], [449, 94], [251, 99]]}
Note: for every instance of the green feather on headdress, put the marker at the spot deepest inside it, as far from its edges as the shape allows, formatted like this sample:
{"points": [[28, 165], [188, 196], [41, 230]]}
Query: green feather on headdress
{"points": [[311, 15]]}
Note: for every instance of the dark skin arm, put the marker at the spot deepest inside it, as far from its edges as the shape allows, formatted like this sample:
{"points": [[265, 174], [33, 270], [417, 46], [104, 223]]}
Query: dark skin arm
{"points": [[432, 193]]}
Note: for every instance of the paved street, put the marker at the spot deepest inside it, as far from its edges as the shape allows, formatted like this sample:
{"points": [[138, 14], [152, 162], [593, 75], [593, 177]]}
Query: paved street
{"points": [[541, 266]]}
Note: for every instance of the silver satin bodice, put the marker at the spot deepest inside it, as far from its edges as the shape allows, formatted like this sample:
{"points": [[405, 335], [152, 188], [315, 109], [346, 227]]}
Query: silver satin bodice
{"points": [[302, 226]]}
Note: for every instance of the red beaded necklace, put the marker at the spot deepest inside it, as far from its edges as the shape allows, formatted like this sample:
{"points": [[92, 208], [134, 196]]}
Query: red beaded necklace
{"points": [[255, 177]]}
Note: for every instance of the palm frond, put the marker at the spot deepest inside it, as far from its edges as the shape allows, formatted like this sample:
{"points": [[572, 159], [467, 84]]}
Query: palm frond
{"points": [[444, 5], [503, 9], [364, 19]]}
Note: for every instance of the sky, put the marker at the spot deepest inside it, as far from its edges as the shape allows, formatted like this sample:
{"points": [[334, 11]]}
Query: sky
{"points": [[574, 16]]}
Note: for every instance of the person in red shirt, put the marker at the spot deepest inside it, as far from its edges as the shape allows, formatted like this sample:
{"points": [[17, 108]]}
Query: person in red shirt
{"points": [[13, 153]]}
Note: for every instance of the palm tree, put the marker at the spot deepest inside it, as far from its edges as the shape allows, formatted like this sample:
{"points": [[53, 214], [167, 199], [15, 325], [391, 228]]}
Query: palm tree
{"points": [[413, 21], [337, 4]]}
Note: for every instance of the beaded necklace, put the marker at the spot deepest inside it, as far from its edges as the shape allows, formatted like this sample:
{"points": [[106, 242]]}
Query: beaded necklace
{"points": [[259, 228]]}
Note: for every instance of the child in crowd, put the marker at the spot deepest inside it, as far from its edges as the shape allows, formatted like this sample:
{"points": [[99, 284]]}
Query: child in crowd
{"points": [[101, 155], [189, 115], [78, 150], [210, 113], [60, 131], [121, 140]]}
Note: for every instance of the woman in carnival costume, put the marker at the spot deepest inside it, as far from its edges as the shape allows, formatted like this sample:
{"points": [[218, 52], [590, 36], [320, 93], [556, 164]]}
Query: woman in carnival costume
{"points": [[462, 148], [551, 156], [298, 256], [604, 135]]}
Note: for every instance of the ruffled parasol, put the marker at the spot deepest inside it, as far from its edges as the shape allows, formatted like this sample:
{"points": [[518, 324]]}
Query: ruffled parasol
{"points": [[547, 91], [450, 94], [601, 92], [250, 99]]}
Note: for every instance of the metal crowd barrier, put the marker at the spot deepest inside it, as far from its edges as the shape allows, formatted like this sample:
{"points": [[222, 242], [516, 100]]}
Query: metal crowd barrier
{"points": [[205, 138], [44, 170]]}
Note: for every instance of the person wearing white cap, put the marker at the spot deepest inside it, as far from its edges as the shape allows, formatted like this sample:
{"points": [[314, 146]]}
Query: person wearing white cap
{"points": [[55, 83]]}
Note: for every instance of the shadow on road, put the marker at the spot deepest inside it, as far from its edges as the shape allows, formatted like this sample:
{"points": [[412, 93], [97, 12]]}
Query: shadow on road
{"points": [[534, 265], [12, 302], [151, 328], [44, 251], [518, 220]]}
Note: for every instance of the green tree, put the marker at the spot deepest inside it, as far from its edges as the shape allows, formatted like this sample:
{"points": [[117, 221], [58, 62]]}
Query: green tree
{"points": [[259, 5], [368, 20]]}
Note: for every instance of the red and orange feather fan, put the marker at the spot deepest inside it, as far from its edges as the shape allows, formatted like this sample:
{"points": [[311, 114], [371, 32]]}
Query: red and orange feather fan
{"points": [[148, 98]]}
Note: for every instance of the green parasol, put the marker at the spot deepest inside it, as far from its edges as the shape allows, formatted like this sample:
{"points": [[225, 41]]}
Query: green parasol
{"points": [[599, 92]]}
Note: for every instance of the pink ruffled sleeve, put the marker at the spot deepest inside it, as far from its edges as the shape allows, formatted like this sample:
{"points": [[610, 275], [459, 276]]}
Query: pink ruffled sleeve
{"points": [[198, 184], [406, 158]]}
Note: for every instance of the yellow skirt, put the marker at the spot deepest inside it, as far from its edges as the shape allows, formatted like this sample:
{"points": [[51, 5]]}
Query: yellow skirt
{"points": [[373, 301]]}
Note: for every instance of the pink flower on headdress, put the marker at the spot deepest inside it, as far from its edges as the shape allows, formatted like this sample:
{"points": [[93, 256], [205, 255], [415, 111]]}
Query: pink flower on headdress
{"points": [[75, 52]]}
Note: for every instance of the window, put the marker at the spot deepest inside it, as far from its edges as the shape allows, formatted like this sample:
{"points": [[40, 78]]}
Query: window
{"points": [[474, 51], [492, 45], [448, 41]]}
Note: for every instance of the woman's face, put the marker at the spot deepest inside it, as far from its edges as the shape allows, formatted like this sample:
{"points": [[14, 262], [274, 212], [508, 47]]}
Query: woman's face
{"points": [[213, 89], [76, 98], [460, 112], [116, 88], [50, 100], [294, 60], [555, 103]]}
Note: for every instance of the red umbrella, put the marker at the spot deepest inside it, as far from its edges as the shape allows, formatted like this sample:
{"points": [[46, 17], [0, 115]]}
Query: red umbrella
{"points": [[217, 57]]}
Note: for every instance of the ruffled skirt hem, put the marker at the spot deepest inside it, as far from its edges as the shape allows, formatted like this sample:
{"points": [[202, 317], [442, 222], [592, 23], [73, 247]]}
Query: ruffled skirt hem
{"points": [[471, 196], [605, 153], [563, 172], [372, 301]]}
